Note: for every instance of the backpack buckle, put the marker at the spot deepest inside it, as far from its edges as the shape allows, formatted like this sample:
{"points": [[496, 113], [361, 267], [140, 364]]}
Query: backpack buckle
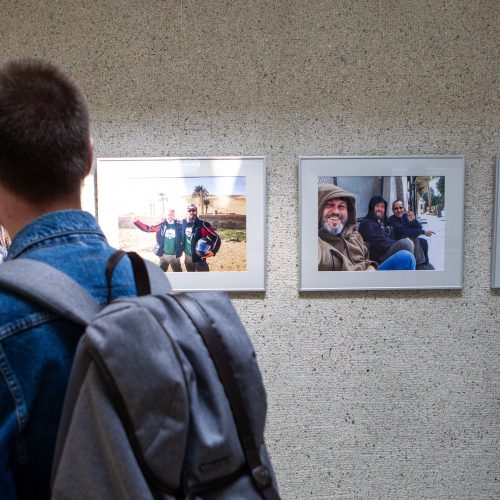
{"points": [[261, 476]]}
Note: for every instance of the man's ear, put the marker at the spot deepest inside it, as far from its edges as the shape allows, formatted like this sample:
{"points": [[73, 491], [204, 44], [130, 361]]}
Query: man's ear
{"points": [[90, 156]]}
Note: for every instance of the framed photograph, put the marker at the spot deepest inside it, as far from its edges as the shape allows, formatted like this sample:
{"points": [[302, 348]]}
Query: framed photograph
{"points": [[88, 195], [381, 223], [495, 255], [201, 219]]}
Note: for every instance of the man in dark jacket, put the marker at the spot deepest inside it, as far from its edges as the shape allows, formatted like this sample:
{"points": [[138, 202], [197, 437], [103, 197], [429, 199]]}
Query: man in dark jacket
{"points": [[377, 233], [168, 240], [405, 225], [201, 241]]}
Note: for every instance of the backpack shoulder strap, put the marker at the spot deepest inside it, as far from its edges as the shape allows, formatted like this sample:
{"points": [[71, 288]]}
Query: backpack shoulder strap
{"points": [[148, 277], [260, 474], [49, 288]]}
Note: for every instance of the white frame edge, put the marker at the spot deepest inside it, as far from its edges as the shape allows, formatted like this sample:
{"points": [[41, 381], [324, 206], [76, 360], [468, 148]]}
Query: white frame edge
{"points": [[495, 252], [311, 167], [253, 168]]}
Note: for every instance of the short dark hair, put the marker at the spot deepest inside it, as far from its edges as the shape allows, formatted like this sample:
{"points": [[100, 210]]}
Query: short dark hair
{"points": [[44, 131]]}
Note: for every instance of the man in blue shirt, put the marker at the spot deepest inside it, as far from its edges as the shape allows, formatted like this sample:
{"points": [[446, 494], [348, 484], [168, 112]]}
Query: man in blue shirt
{"points": [[45, 153]]}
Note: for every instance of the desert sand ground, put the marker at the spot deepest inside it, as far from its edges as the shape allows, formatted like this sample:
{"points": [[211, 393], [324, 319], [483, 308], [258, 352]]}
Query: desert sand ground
{"points": [[231, 256], [224, 204]]}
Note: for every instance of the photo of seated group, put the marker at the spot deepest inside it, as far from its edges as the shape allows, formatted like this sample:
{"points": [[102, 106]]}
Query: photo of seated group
{"points": [[186, 224], [381, 223]]}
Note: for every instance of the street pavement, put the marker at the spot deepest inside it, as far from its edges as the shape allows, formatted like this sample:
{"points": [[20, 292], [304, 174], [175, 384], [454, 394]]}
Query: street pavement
{"points": [[436, 241]]}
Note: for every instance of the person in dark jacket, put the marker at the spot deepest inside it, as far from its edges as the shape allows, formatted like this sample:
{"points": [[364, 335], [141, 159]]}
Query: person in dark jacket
{"points": [[377, 233], [168, 240], [405, 225], [201, 241]]}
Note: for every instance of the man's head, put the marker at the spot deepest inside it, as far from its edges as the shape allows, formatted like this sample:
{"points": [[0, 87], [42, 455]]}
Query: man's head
{"points": [[171, 215], [192, 212], [336, 208], [45, 145], [377, 208], [335, 215], [398, 208]]}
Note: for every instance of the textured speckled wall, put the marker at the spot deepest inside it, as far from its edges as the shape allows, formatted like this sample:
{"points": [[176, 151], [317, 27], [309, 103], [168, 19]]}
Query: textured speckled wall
{"points": [[383, 395]]}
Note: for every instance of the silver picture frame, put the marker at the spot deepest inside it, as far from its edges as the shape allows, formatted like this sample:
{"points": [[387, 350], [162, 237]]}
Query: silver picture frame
{"points": [[314, 170], [126, 185], [495, 254]]}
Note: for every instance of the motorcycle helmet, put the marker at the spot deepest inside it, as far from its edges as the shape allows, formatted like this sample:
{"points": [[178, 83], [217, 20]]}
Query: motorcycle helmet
{"points": [[202, 247]]}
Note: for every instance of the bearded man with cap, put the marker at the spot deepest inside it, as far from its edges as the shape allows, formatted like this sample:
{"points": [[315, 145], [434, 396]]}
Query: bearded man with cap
{"points": [[340, 246], [201, 241]]}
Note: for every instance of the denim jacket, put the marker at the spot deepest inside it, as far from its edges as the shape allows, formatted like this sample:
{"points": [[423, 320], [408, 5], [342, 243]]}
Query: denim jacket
{"points": [[37, 348]]}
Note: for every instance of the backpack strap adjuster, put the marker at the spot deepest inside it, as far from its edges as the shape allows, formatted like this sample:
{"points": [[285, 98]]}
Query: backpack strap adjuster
{"points": [[261, 476]]}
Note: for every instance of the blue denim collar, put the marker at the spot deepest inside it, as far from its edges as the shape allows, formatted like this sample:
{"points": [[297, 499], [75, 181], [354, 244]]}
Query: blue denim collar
{"points": [[52, 225]]}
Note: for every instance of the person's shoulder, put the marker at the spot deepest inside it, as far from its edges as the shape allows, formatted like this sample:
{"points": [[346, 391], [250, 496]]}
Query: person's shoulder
{"points": [[352, 229], [365, 221], [323, 243], [14, 310], [353, 234], [414, 223]]}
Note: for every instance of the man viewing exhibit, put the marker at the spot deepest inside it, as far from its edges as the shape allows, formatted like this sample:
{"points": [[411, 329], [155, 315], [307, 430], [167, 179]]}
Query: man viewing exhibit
{"points": [[340, 245], [45, 154]]}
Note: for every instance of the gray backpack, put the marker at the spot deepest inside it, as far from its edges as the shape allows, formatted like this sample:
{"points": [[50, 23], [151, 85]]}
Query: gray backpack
{"points": [[165, 399]]}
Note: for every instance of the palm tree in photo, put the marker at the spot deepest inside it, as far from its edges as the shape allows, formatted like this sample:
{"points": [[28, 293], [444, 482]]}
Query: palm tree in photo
{"points": [[207, 202], [201, 193], [163, 199], [440, 187]]}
